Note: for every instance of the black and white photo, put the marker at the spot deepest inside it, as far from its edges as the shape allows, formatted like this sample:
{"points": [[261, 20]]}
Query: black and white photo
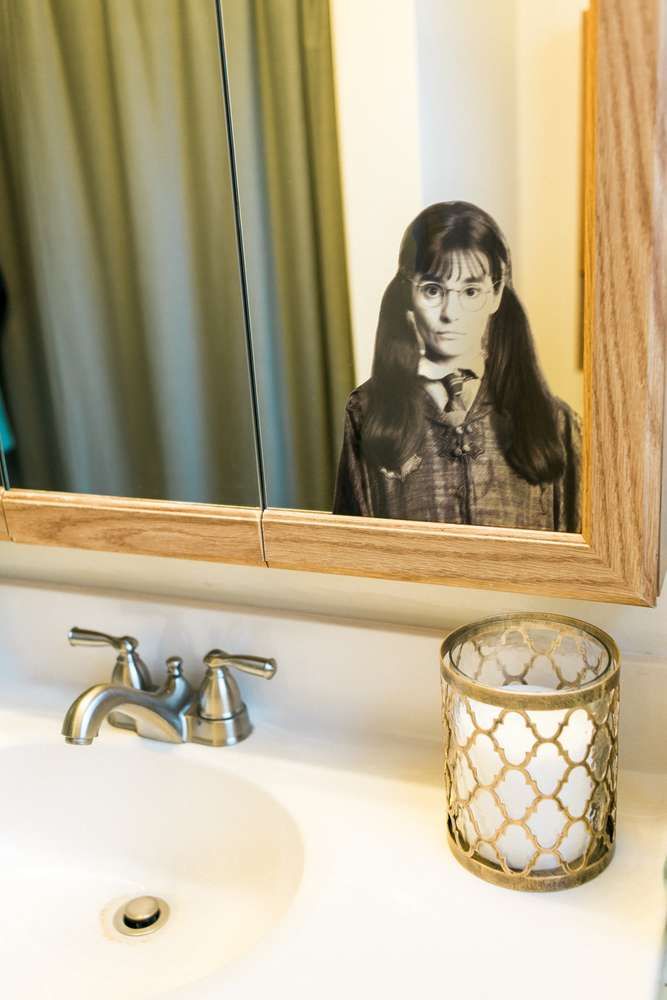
{"points": [[457, 423]]}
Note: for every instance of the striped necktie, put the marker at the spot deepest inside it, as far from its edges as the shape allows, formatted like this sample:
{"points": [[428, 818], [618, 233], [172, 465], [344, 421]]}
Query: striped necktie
{"points": [[455, 409]]}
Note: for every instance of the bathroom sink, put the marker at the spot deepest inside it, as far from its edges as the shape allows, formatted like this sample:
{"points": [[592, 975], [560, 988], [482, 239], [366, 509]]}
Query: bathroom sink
{"points": [[291, 865], [85, 829]]}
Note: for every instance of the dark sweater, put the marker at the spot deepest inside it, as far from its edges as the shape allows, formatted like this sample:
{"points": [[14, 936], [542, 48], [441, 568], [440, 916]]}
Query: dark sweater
{"points": [[460, 474]]}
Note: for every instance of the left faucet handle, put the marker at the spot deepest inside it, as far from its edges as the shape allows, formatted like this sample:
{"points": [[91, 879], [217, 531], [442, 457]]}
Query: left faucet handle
{"points": [[130, 670], [88, 637]]}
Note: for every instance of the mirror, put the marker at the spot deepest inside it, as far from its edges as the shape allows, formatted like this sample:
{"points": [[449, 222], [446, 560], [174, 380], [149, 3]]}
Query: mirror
{"points": [[123, 352], [425, 367], [410, 179]]}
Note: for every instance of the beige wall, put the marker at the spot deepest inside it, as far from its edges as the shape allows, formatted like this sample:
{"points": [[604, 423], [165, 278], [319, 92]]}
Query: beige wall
{"points": [[549, 177]]}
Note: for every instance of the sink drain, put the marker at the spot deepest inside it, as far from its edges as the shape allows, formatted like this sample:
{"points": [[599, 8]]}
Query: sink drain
{"points": [[143, 915]]}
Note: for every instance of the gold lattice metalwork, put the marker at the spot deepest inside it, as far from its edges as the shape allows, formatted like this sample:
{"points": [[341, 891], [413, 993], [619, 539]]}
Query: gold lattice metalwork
{"points": [[530, 713]]}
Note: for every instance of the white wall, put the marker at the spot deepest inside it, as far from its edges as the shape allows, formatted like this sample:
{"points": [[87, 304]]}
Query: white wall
{"points": [[375, 58], [467, 59], [638, 631], [481, 101], [353, 682]]}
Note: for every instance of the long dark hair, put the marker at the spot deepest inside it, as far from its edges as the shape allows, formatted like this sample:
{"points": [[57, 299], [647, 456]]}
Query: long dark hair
{"points": [[394, 426]]}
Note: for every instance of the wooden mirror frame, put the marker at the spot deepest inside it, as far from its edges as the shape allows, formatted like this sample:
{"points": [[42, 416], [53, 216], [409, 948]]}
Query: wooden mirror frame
{"points": [[616, 557]]}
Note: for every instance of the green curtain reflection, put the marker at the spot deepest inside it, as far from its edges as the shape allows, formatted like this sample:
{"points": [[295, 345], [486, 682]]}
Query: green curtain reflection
{"points": [[125, 354], [279, 56]]}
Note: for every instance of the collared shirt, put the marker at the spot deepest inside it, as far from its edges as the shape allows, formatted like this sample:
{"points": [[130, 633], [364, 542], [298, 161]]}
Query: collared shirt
{"points": [[459, 475], [433, 372]]}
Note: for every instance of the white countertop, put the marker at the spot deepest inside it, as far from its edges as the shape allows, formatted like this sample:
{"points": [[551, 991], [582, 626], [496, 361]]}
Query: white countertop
{"points": [[384, 910]]}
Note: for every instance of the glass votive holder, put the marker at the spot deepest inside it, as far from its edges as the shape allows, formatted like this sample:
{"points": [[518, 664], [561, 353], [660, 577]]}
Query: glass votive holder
{"points": [[530, 711]]}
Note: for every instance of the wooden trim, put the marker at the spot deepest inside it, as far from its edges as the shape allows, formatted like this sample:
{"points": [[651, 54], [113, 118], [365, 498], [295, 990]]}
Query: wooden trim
{"points": [[590, 229], [539, 562], [144, 527], [626, 355], [658, 315], [4, 530]]}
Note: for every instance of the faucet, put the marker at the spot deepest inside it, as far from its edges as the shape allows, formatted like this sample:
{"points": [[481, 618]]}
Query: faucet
{"points": [[214, 716]]}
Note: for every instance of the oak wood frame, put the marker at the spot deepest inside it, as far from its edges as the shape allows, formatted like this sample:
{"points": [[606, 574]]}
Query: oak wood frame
{"points": [[4, 530], [146, 527], [615, 558]]}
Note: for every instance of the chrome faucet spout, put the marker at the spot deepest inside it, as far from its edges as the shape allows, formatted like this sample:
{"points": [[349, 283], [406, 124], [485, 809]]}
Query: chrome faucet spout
{"points": [[160, 715]]}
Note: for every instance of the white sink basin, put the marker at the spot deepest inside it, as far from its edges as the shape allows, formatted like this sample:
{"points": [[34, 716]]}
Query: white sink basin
{"points": [[85, 829], [343, 878]]}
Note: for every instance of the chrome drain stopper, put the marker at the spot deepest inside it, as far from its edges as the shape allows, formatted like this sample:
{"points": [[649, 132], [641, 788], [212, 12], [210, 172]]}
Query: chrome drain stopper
{"points": [[142, 915]]}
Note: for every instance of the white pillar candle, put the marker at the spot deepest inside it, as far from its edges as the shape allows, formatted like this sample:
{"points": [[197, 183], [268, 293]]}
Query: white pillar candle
{"points": [[564, 786]]}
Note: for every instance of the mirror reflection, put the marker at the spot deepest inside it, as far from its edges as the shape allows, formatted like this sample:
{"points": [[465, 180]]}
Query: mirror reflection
{"points": [[124, 365], [410, 193]]}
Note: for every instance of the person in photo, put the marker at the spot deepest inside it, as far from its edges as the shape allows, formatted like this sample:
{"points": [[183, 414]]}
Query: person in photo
{"points": [[456, 423]]}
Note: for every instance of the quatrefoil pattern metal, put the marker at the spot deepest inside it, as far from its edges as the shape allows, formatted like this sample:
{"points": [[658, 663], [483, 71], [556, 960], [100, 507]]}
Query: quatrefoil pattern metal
{"points": [[530, 716]]}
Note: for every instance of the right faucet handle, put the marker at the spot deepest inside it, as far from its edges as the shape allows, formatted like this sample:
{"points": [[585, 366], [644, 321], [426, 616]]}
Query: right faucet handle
{"points": [[260, 666], [222, 716]]}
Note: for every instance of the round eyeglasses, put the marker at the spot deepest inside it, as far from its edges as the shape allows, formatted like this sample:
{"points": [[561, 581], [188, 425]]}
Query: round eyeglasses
{"points": [[471, 298]]}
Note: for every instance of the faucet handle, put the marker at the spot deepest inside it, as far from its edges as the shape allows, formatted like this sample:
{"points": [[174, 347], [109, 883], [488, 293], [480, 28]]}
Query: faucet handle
{"points": [[88, 637], [219, 695], [259, 666], [130, 670]]}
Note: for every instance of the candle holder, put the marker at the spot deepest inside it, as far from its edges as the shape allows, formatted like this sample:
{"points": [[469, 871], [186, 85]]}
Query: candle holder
{"points": [[530, 712]]}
